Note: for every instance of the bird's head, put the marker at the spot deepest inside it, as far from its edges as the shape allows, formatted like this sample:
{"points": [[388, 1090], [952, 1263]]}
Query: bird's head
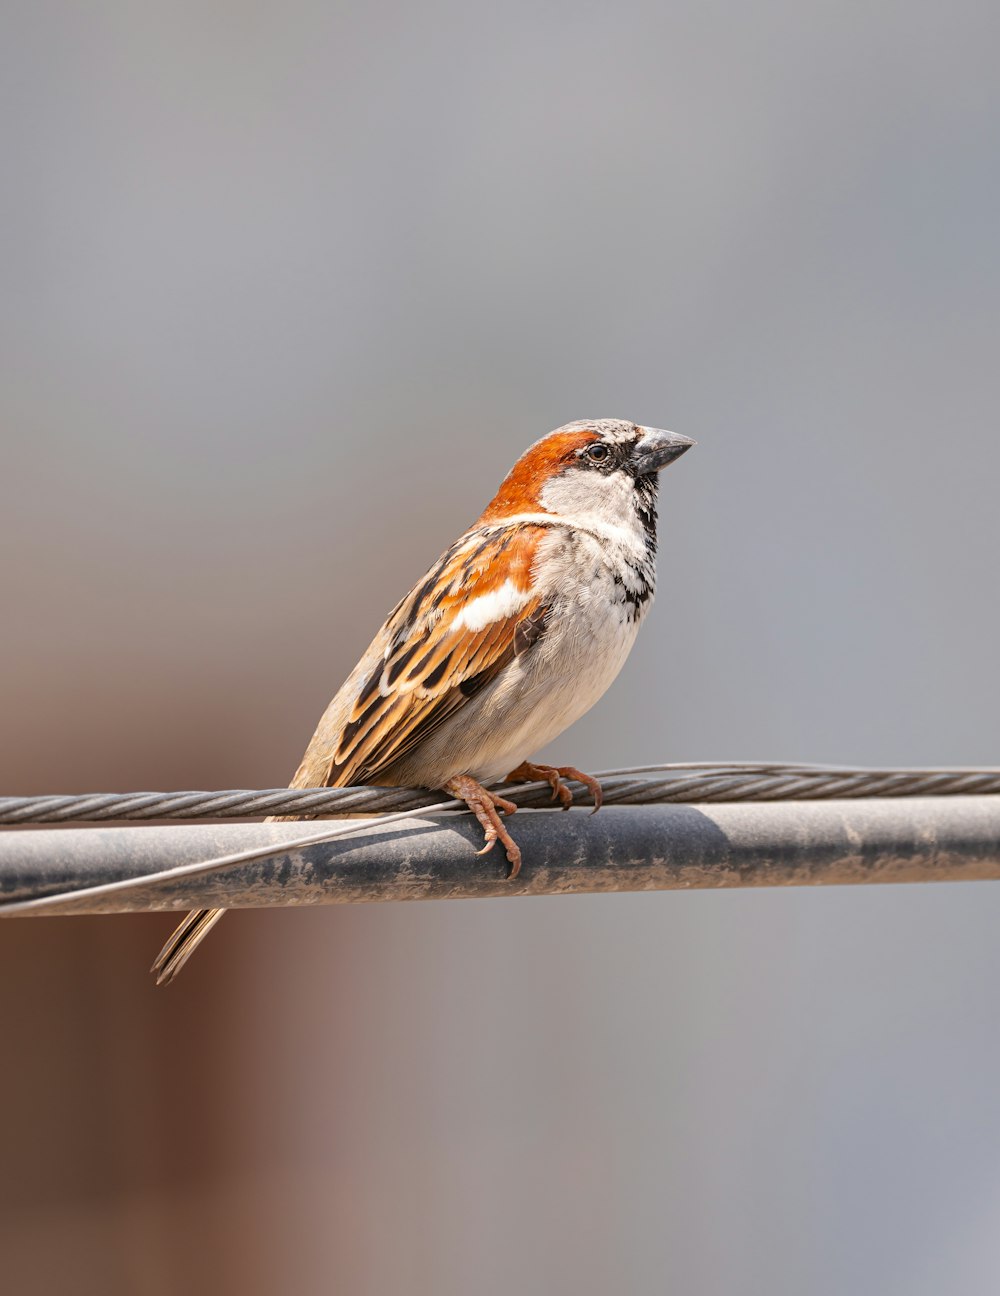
{"points": [[600, 469]]}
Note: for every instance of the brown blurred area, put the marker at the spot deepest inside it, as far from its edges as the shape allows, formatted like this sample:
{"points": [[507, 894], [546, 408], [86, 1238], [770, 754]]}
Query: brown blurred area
{"points": [[285, 292]]}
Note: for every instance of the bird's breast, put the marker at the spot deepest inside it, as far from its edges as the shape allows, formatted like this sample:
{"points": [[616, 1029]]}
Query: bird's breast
{"points": [[597, 601]]}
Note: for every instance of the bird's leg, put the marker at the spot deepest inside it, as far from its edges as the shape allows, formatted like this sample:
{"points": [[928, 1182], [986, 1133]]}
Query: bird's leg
{"points": [[526, 772], [486, 806]]}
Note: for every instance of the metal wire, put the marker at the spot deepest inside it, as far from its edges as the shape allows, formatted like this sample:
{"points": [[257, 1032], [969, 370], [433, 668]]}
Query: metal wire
{"points": [[198, 868], [640, 785], [102, 869]]}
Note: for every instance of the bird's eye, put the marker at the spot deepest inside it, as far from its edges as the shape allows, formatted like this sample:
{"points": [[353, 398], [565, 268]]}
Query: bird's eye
{"points": [[597, 453]]}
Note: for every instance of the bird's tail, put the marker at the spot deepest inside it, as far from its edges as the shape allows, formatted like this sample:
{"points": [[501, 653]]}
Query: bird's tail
{"points": [[315, 771], [199, 922], [183, 943], [187, 937]]}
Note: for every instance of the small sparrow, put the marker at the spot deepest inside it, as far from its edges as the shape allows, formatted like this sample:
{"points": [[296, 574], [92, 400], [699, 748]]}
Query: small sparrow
{"points": [[514, 633]]}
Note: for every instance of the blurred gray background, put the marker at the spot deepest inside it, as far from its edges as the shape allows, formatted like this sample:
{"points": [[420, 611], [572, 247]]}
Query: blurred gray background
{"points": [[285, 290]]}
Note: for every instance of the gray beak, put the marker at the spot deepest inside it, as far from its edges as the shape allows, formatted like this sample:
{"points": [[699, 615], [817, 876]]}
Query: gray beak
{"points": [[656, 448]]}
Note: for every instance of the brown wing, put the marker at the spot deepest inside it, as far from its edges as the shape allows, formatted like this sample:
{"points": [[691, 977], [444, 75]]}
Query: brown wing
{"points": [[477, 609]]}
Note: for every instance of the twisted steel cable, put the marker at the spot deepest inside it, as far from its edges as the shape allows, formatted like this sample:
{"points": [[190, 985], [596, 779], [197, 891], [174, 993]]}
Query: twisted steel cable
{"points": [[642, 785]]}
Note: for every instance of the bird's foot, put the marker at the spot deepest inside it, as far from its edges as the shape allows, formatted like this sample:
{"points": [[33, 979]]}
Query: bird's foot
{"points": [[526, 772], [487, 807]]}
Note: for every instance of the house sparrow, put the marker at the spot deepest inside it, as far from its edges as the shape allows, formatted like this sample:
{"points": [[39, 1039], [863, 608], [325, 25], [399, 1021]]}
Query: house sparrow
{"points": [[514, 633]]}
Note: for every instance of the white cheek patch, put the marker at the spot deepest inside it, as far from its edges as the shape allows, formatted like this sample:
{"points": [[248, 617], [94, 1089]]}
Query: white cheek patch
{"points": [[603, 501], [483, 611], [577, 492]]}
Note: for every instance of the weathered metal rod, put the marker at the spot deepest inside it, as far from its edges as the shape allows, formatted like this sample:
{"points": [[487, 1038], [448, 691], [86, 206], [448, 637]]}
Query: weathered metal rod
{"points": [[634, 848]]}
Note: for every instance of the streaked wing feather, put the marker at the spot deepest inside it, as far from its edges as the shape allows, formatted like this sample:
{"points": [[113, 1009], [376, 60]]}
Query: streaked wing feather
{"points": [[475, 611]]}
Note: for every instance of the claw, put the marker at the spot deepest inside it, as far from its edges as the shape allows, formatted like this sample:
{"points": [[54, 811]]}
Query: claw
{"points": [[527, 772], [487, 806]]}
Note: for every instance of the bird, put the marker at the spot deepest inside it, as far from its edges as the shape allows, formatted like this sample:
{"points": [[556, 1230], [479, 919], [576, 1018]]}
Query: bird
{"points": [[512, 635]]}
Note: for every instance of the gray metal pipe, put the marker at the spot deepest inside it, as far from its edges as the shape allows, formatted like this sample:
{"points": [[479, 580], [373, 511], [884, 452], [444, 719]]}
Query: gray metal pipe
{"points": [[633, 848]]}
